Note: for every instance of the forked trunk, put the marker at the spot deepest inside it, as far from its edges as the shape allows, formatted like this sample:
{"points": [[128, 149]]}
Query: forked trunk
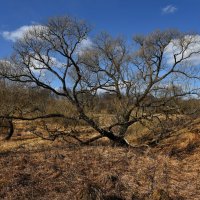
{"points": [[118, 140]]}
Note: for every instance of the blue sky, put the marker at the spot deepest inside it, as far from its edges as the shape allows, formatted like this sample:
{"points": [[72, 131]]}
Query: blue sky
{"points": [[118, 17]]}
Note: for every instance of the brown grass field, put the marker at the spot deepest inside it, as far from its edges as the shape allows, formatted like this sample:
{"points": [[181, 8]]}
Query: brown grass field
{"points": [[31, 168]]}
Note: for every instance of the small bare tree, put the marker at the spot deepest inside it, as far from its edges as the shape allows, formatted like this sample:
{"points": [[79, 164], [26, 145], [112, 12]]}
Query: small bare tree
{"points": [[146, 78]]}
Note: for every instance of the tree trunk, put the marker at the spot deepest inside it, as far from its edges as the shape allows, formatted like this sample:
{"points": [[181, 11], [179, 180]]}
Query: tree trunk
{"points": [[121, 142], [10, 130], [118, 140]]}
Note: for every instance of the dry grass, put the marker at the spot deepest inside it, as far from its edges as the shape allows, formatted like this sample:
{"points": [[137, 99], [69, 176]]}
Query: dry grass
{"points": [[31, 168]]}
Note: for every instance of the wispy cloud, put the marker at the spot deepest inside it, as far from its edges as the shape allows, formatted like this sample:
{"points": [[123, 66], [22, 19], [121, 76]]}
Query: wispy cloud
{"points": [[84, 45], [189, 56], [18, 33], [169, 9]]}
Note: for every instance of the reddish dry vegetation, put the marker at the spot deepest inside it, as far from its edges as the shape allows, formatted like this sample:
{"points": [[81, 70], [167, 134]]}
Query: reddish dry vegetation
{"points": [[34, 169]]}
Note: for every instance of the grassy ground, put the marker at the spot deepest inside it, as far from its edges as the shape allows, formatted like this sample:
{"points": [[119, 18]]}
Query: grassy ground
{"points": [[31, 168]]}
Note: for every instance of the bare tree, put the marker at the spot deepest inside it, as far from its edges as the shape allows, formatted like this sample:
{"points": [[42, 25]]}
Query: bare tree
{"points": [[145, 79]]}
